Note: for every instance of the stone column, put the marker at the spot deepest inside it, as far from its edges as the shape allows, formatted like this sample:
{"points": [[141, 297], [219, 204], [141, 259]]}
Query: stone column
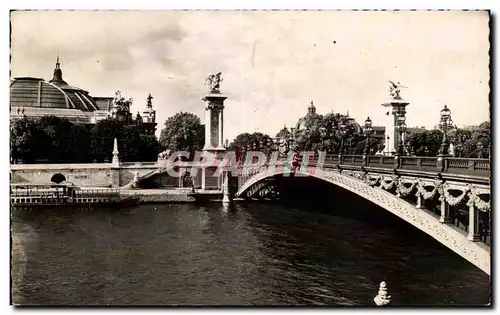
{"points": [[221, 128], [208, 120], [397, 104], [214, 136], [419, 201], [473, 223], [445, 212]]}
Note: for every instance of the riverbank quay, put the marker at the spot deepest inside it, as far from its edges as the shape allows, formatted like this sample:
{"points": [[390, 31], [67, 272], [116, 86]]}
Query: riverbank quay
{"points": [[175, 195]]}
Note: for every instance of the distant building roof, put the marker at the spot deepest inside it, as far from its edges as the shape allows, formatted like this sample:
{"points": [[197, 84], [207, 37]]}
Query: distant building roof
{"points": [[34, 92]]}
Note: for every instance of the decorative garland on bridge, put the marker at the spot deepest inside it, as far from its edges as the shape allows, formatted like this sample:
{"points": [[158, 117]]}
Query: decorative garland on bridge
{"points": [[388, 186], [372, 181], [454, 201], [424, 193], [358, 175], [404, 191], [476, 201], [347, 173]]}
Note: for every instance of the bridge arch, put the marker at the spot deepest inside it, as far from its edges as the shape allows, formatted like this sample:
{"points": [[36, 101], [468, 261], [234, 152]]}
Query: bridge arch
{"points": [[449, 236]]}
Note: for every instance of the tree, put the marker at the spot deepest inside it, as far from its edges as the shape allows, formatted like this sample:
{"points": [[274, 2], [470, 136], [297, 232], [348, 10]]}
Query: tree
{"points": [[183, 132], [480, 134], [333, 136], [55, 139], [22, 140], [324, 133], [464, 140], [149, 147], [426, 143], [129, 143], [373, 146], [250, 141], [102, 138], [79, 144]]}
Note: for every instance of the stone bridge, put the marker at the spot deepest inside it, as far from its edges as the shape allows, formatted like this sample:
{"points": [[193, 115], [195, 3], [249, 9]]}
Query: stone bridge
{"points": [[426, 192]]}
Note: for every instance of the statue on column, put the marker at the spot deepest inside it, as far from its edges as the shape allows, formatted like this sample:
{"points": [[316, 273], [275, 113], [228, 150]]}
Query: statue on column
{"points": [[395, 89], [213, 82], [149, 100]]}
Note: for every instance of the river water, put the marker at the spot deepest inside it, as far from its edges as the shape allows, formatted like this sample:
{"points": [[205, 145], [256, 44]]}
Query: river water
{"points": [[249, 254]]}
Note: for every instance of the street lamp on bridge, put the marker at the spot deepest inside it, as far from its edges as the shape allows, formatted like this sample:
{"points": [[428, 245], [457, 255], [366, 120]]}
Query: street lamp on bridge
{"points": [[367, 131], [479, 150], [459, 149], [343, 133], [289, 140], [445, 125], [267, 146]]}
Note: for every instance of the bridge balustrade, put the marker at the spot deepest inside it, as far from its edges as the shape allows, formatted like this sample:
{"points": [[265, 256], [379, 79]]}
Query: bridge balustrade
{"points": [[480, 167], [465, 166], [348, 159]]}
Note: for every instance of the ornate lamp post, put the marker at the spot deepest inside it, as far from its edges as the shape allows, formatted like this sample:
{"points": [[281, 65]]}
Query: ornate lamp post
{"points": [[411, 151], [275, 144], [445, 125], [401, 128], [459, 148], [270, 147], [290, 140], [323, 133], [479, 150], [266, 146], [367, 131], [343, 133]]}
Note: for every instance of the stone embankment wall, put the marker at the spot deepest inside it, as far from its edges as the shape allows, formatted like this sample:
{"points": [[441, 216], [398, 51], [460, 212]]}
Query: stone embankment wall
{"points": [[159, 195], [92, 175]]}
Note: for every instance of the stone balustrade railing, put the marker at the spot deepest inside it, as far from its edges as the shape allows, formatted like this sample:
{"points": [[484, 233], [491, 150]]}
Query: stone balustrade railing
{"points": [[448, 165], [452, 165]]}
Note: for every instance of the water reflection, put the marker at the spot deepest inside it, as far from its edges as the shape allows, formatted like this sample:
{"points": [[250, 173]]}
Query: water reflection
{"points": [[241, 254]]}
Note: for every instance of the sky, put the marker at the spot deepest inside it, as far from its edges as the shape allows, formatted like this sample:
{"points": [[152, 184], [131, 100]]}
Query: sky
{"points": [[273, 62]]}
